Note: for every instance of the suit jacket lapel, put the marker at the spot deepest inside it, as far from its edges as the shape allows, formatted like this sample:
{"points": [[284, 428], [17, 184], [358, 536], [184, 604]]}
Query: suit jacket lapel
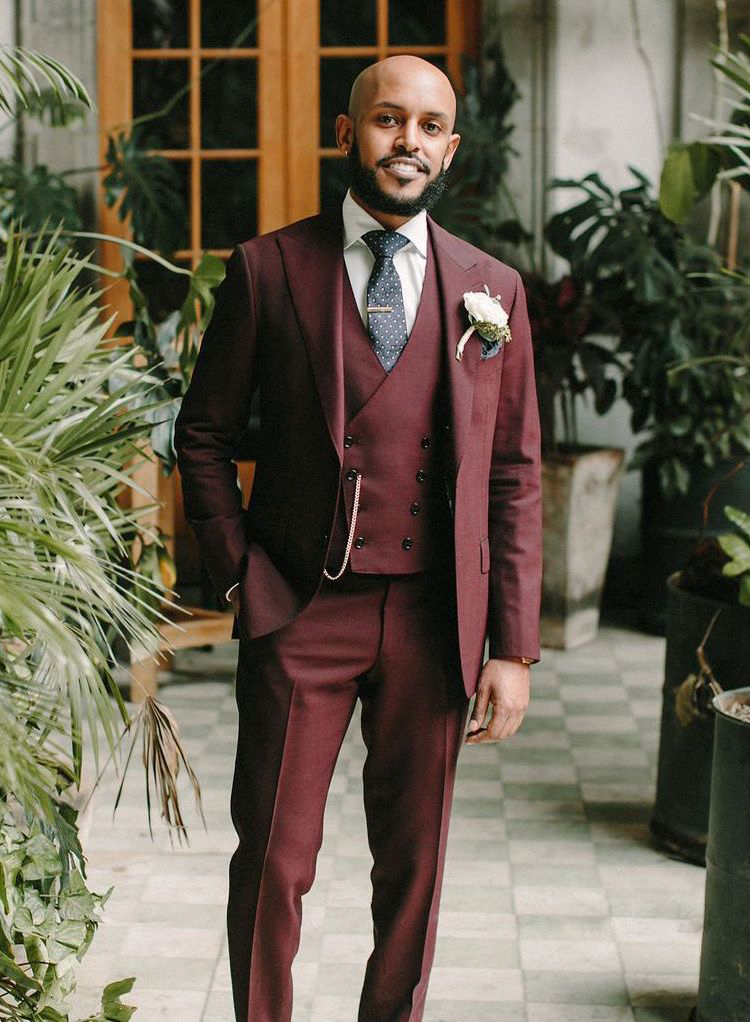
{"points": [[457, 273], [314, 265]]}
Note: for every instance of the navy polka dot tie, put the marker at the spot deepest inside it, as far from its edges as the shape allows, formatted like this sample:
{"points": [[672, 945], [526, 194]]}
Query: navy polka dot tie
{"points": [[386, 320]]}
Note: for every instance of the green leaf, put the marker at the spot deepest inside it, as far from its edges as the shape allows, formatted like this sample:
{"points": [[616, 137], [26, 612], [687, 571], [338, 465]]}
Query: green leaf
{"points": [[18, 66], [113, 1010], [42, 859], [738, 550], [738, 517], [677, 190]]}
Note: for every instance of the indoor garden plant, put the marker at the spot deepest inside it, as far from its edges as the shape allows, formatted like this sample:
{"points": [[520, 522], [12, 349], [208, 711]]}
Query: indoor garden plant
{"points": [[72, 435], [669, 304]]}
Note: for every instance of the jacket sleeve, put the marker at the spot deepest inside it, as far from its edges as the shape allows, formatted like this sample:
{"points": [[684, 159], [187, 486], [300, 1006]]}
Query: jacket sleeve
{"points": [[515, 498], [214, 413]]}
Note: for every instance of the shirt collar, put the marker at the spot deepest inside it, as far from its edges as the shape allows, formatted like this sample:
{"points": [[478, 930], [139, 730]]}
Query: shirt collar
{"points": [[357, 221]]}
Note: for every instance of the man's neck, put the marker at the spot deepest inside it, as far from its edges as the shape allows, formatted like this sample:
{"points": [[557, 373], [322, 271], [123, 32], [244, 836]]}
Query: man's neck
{"points": [[391, 221]]}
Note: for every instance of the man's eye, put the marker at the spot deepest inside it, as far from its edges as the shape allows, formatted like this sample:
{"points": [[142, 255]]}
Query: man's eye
{"points": [[433, 127], [386, 117]]}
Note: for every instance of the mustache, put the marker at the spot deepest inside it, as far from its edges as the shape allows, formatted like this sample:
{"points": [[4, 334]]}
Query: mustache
{"points": [[404, 159]]}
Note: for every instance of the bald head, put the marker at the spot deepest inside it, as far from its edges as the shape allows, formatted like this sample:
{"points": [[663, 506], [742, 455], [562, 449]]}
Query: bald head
{"points": [[403, 70]]}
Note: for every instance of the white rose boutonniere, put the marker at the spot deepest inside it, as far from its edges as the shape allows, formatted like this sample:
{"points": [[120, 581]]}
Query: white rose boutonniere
{"points": [[488, 318]]}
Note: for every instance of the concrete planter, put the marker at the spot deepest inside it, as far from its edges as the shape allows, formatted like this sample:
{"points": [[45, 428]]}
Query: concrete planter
{"points": [[579, 493]]}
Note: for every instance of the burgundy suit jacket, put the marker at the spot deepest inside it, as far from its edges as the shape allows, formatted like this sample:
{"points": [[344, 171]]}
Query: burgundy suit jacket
{"points": [[277, 325]]}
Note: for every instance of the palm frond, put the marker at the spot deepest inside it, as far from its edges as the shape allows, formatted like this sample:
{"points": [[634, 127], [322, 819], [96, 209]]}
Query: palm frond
{"points": [[67, 448], [19, 68]]}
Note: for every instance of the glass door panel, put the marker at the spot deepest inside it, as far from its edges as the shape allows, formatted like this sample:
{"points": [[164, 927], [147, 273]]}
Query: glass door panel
{"points": [[416, 23], [155, 83], [229, 202], [229, 104], [160, 24], [228, 23], [343, 23]]}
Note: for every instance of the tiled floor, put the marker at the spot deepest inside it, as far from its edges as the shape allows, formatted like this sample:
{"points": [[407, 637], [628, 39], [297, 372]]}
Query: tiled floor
{"points": [[554, 907]]}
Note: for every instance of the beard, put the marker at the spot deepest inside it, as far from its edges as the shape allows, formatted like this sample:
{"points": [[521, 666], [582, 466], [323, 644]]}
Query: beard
{"points": [[364, 183]]}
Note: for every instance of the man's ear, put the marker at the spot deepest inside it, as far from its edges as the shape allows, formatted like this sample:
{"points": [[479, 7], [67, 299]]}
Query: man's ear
{"points": [[452, 146], [344, 132]]}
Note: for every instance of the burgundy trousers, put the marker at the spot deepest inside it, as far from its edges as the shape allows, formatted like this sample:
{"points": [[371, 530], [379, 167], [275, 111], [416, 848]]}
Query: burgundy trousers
{"points": [[391, 641]]}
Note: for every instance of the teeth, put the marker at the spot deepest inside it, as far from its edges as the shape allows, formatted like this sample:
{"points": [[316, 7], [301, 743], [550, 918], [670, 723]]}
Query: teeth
{"points": [[404, 168]]}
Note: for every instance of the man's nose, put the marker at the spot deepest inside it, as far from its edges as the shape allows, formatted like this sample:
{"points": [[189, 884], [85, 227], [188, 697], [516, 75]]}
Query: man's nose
{"points": [[408, 137]]}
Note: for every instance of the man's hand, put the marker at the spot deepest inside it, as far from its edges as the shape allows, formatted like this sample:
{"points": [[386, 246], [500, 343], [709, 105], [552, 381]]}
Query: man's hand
{"points": [[505, 684]]}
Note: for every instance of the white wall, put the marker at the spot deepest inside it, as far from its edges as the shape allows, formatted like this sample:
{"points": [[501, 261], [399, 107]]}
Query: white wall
{"points": [[7, 38]]}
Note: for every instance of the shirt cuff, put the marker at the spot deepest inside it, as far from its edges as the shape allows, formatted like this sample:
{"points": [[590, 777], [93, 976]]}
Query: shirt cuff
{"points": [[226, 594]]}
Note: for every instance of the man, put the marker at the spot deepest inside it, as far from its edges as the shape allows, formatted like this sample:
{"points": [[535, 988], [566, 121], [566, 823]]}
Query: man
{"points": [[394, 521]]}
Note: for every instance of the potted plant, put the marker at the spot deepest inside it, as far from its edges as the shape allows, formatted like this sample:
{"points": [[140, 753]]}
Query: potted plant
{"points": [[681, 325], [69, 586], [579, 481], [708, 641]]}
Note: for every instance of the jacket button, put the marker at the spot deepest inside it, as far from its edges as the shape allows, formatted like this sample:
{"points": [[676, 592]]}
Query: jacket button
{"points": [[324, 539], [359, 542], [421, 475], [348, 441], [425, 441], [351, 474], [406, 543], [414, 508]]}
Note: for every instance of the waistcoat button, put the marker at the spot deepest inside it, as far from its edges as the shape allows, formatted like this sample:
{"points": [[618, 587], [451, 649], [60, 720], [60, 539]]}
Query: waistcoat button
{"points": [[348, 441], [414, 508], [359, 542], [425, 441], [406, 543], [421, 475], [351, 474]]}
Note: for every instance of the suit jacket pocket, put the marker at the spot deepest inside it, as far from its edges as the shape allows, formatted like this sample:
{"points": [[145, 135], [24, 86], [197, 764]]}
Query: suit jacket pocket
{"points": [[484, 554]]}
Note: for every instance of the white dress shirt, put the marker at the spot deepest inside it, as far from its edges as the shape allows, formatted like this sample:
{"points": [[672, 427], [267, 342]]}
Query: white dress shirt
{"points": [[410, 263]]}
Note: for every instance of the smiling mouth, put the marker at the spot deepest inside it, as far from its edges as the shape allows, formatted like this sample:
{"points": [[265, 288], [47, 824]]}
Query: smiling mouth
{"points": [[403, 168]]}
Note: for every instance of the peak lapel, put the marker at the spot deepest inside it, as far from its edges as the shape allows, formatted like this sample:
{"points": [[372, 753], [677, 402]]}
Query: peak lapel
{"points": [[457, 273], [314, 265]]}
